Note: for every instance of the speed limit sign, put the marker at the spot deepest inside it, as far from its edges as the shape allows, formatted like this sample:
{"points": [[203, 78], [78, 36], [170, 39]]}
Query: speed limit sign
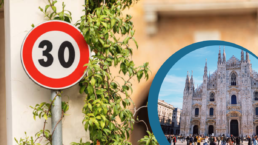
{"points": [[54, 53]]}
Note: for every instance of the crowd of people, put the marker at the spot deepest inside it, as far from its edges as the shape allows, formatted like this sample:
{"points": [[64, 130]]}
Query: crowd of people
{"points": [[212, 140]]}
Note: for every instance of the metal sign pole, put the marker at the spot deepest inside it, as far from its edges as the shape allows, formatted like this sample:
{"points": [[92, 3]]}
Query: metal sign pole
{"points": [[56, 123]]}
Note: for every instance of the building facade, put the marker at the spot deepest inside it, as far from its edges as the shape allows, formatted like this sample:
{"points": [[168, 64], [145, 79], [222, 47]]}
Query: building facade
{"points": [[176, 121], [225, 103], [165, 112]]}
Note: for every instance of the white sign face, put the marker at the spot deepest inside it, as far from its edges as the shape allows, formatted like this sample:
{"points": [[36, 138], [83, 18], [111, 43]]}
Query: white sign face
{"points": [[70, 55], [54, 53]]}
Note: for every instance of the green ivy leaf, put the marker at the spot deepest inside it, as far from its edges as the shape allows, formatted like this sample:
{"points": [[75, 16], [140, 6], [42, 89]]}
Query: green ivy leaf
{"points": [[45, 116], [93, 81]]}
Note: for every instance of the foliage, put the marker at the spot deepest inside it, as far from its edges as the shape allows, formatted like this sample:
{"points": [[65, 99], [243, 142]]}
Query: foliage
{"points": [[148, 140], [42, 110], [26, 141], [107, 113]]}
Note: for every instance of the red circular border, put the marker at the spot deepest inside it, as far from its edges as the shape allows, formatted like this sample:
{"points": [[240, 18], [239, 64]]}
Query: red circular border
{"points": [[31, 69]]}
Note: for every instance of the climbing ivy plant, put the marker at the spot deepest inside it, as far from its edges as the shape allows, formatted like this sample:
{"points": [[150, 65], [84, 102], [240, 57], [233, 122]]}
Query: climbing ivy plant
{"points": [[107, 113]]}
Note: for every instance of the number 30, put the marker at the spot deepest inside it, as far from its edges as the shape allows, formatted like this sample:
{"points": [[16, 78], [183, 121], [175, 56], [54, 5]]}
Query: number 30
{"points": [[61, 50]]}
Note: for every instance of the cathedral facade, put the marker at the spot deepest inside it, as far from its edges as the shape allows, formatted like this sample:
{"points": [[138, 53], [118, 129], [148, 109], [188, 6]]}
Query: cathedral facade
{"points": [[225, 103]]}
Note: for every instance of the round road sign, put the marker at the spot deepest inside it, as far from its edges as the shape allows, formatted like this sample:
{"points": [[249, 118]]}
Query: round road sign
{"points": [[54, 53]]}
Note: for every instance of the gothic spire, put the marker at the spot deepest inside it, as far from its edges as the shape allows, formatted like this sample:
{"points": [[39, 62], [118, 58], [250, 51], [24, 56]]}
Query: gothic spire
{"points": [[242, 56], [192, 81], [209, 75], [224, 55], [219, 57], [192, 77], [205, 68], [187, 81], [247, 57], [187, 77]]}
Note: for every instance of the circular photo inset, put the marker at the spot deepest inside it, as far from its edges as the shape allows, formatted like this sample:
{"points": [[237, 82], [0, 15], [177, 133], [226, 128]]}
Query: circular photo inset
{"points": [[205, 93]]}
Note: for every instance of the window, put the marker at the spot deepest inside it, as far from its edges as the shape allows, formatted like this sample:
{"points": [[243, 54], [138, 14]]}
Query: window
{"points": [[256, 96], [212, 97], [233, 99], [172, 124], [196, 111], [211, 111], [256, 111], [233, 79]]}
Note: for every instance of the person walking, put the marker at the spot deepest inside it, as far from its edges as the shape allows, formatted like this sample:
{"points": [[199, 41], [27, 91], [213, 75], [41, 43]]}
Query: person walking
{"points": [[195, 139], [174, 140], [206, 140], [218, 139], [223, 140], [187, 140], [199, 139], [232, 139], [170, 138], [191, 140], [229, 142], [211, 140], [238, 140], [256, 140], [249, 140]]}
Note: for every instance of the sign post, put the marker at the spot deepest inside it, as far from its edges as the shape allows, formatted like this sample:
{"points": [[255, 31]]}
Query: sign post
{"points": [[56, 123], [53, 55]]}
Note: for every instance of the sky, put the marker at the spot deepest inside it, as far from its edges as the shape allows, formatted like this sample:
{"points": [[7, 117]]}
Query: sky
{"points": [[172, 88]]}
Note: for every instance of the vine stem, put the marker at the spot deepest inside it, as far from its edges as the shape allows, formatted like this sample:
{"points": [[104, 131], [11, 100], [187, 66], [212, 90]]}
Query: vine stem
{"points": [[135, 111], [144, 123], [45, 122], [38, 138], [58, 122]]}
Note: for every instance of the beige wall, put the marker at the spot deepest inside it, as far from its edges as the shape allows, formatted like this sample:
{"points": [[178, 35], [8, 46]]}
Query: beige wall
{"points": [[22, 92]]}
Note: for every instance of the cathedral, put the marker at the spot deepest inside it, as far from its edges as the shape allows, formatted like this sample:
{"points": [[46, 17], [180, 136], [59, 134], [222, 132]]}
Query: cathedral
{"points": [[225, 103]]}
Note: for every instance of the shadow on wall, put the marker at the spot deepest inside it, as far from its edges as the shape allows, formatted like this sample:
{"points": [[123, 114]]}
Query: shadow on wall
{"points": [[140, 129], [2, 81]]}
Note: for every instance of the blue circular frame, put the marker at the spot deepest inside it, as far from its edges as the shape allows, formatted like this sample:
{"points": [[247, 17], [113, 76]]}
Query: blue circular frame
{"points": [[159, 77]]}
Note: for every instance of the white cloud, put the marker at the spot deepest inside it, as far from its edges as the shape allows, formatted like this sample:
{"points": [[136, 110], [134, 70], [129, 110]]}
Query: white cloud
{"points": [[174, 85], [174, 79]]}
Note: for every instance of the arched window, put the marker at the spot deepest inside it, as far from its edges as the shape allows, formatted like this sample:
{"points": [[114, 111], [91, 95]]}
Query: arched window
{"points": [[211, 111], [233, 79], [256, 111], [196, 111], [212, 97], [256, 96], [233, 99]]}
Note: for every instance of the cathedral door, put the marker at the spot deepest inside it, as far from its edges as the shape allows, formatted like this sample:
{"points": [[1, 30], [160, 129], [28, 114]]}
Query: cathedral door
{"points": [[195, 129], [210, 130], [234, 127], [256, 130]]}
